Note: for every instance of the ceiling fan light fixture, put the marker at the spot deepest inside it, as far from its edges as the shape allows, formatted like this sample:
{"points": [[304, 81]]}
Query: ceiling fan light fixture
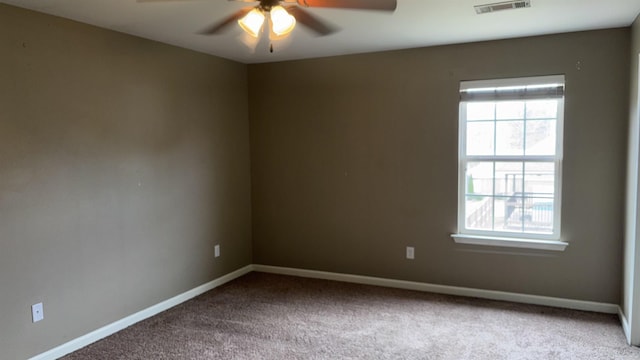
{"points": [[252, 22], [282, 23]]}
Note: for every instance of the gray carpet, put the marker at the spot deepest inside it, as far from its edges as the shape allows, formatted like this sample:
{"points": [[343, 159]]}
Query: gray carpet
{"points": [[265, 316]]}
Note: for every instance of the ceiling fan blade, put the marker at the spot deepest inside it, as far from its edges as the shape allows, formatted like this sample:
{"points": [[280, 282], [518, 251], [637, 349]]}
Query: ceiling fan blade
{"points": [[246, 1], [217, 27], [144, 1], [383, 5], [305, 18]]}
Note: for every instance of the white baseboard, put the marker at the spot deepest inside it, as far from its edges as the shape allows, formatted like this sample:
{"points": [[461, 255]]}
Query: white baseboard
{"points": [[116, 326], [443, 289], [625, 325]]}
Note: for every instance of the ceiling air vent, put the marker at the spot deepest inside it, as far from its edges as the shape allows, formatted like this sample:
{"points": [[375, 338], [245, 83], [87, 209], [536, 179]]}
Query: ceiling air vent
{"points": [[506, 5]]}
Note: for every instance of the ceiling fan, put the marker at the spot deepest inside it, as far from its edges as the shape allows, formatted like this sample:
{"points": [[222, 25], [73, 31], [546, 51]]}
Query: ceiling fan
{"points": [[283, 15]]}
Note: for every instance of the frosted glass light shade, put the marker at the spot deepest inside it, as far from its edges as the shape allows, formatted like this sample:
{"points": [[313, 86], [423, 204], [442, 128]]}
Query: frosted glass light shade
{"points": [[252, 22], [282, 22]]}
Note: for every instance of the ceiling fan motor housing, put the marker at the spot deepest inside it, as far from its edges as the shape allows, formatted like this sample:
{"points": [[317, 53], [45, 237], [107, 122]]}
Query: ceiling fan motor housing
{"points": [[266, 5]]}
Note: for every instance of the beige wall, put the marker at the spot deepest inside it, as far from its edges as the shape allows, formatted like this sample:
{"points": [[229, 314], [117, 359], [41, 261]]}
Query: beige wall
{"points": [[122, 163], [631, 284], [354, 158]]}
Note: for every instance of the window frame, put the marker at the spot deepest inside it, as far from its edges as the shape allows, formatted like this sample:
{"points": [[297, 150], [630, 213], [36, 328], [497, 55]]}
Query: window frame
{"points": [[545, 241]]}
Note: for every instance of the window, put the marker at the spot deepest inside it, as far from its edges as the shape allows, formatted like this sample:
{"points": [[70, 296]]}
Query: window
{"points": [[510, 162]]}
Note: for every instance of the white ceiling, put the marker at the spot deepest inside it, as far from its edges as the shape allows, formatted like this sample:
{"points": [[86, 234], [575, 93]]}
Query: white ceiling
{"points": [[415, 23]]}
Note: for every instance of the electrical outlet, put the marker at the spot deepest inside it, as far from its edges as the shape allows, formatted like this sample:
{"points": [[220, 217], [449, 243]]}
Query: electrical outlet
{"points": [[37, 312], [216, 250], [410, 252]]}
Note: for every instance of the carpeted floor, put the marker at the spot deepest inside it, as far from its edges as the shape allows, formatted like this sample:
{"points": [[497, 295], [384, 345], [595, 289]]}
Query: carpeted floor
{"points": [[265, 316]]}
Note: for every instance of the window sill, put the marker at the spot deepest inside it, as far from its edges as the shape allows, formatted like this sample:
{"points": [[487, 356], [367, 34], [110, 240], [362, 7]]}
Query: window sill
{"points": [[552, 245]]}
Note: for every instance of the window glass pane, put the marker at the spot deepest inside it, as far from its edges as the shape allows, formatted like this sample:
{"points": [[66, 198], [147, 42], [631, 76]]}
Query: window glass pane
{"points": [[509, 137], [510, 110], [503, 212], [539, 215], [541, 137], [524, 214], [539, 179], [508, 178], [516, 213], [480, 138], [480, 111], [542, 109], [479, 179], [479, 213]]}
